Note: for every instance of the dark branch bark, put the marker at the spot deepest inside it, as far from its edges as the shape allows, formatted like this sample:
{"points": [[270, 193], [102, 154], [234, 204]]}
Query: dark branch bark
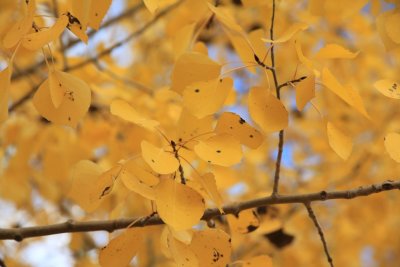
{"points": [[292, 82], [312, 216], [20, 234]]}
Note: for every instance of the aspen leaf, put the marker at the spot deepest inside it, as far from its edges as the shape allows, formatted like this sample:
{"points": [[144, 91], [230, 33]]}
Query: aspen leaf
{"points": [[208, 182], [182, 39], [348, 94], [339, 142], [206, 97], [121, 249], [304, 60], [181, 253], [98, 9], [222, 149], [212, 247], [75, 103], [133, 183], [90, 184], [331, 51], [392, 27], [392, 145], [5, 81], [289, 33], [178, 205], [159, 160], [388, 88], [245, 222], [234, 125], [267, 111], [262, 260], [154, 5], [77, 29], [226, 19], [382, 27], [190, 127], [126, 112], [305, 91], [39, 39], [192, 67], [21, 28]]}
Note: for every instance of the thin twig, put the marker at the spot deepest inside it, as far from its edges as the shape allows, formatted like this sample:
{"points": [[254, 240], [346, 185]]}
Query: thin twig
{"points": [[291, 82], [312, 216], [278, 95], [19, 234]]}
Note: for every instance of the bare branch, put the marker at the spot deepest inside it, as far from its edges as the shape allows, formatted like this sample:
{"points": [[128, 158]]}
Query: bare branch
{"points": [[292, 82], [312, 216], [19, 234]]}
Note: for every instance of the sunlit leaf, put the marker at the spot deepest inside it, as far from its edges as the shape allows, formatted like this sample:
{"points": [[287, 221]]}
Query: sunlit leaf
{"points": [[90, 184], [155, 5], [125, 111], [331, 51], [159, 160], [226, 19], [222, 149], [234, 125], [206, 97], [178, 205], [192, 128], [267, 111], [212, 247], [182, 39], [289, 33], [21, 28], [388, 88], [193, 67], [5, 81], [339, 141], [39, 39], [348, 94], [98, 9], [305, 91], [75, 103], [208, 182], [392, 145], [262, 260], [382, 27], [121, 249], [181, 253]]}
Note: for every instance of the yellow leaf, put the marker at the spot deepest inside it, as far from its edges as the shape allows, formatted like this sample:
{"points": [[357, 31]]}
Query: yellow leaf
{"points": [[192, 128], [331, 51], [120, 250], [206, 97], [262, 260], [339, 141], [126, 112], [348, 94], [392, 145], [193, 67], [245, 222], [132, 182], [98, 9], [178, 205], [182, 254], [286, 36], [21, 28], [90, 184], [267, 111], [226, 19], [79, 32], [388, 88], [392, 27], [39, 39], [159, 160], [5, 81], [182, 39], [75, 103], [208, 182], [222, 149], [212, 247], [305, 91], [234, 125], [382, 25], [307, 62]]}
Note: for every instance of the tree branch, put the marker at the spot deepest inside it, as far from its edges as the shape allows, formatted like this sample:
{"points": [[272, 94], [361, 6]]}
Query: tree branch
{"points": [[312, 216], [292, 82], [18, 234], [278, 95]]}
